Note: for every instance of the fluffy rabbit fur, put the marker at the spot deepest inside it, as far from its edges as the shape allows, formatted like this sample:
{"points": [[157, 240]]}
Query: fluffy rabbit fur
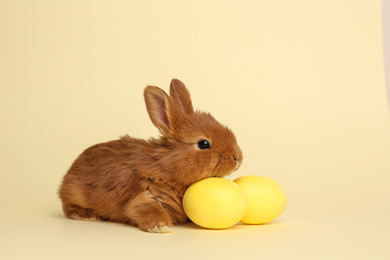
{"points": [[142, 182]]}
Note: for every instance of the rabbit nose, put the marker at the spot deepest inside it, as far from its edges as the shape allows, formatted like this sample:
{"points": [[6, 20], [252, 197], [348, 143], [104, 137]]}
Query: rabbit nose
{"points": [[236, 158], [237, 161]]}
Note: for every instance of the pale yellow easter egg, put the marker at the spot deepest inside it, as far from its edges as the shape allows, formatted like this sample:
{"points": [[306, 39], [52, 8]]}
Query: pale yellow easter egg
{"points": [[215, 203], [266, 199]]}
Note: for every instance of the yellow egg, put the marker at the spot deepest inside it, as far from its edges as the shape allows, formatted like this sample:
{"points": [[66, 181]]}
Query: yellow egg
{"points": [[266, 199], [215, 203]]}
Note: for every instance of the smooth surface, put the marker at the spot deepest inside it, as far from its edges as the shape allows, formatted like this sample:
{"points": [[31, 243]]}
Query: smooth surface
{"points": [[215, 203], [301, 83], [386, 43], [266, 199]]}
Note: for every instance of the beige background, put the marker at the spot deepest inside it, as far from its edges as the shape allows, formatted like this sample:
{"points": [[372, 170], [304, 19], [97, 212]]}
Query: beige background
{"points": [[301, 83]]}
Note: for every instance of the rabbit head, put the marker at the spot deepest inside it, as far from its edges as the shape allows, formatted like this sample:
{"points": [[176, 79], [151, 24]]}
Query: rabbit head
{"points": [[199, 146]]}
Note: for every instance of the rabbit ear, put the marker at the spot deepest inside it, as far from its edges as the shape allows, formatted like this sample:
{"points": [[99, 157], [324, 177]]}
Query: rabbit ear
{"points": [[161, 109], [181, 96]]}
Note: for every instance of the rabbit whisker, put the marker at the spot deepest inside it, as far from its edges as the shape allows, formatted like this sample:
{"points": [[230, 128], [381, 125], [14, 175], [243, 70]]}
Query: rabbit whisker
{"points": [[249, 168]]}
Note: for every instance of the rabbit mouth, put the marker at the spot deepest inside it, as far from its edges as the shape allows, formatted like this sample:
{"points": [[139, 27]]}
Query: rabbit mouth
{"points": [[225, 169]]}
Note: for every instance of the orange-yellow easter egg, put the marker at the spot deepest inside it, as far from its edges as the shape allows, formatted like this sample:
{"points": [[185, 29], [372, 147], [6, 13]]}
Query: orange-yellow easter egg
{"points": [[266, 199], [215, 203]]}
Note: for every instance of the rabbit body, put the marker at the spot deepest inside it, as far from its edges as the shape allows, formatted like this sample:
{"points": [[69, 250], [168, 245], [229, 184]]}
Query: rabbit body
{"points": [[142, 182]]}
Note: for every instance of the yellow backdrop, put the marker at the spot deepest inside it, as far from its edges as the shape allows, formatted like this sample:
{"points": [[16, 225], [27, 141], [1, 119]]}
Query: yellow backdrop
{"points": [[301, 83]]}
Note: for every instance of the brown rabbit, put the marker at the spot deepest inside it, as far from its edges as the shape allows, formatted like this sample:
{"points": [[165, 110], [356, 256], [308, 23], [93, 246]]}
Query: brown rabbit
{"points": [[142, 183]]}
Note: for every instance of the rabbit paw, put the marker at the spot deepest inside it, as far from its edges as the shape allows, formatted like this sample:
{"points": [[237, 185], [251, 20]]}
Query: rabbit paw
{"points": [[160, 229], [90, 218]]}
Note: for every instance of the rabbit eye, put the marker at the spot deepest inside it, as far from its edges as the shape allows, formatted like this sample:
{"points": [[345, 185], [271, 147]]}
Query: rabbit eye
{"points": [[204, 144]]}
